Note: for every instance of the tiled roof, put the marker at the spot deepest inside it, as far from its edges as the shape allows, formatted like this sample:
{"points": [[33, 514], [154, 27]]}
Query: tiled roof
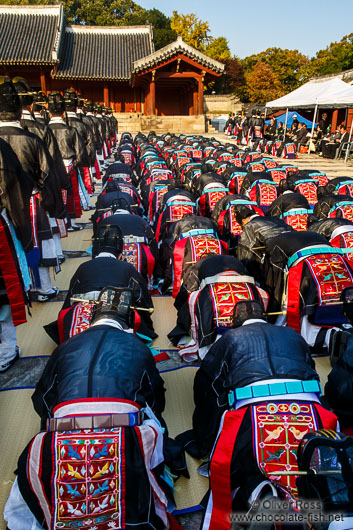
{"points": [[30, 34], [106, 53], [179, 46]]}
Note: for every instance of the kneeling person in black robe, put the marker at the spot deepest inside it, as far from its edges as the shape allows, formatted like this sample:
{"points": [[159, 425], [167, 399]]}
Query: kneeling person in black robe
{"points": [[249, 393], [105, 269], [100, 399]]}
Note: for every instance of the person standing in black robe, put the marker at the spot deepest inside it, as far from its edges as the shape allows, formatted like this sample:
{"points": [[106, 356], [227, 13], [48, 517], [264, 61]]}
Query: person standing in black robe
{"points": [[16, 191], [73, 152], [39, 128], [86, 134], [36, 161]]}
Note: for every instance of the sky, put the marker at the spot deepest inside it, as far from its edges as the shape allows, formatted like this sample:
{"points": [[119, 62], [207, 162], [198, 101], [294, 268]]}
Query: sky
{"points": [[252, 26]]}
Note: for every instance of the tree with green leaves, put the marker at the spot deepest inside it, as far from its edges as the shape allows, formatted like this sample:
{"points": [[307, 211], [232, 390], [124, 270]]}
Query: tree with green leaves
{"points": [[219, 49], [113, 13], [191, 29], [232, 81], [337, 57], [102, 12], [289, 66], [162, 31], [262, 84]]}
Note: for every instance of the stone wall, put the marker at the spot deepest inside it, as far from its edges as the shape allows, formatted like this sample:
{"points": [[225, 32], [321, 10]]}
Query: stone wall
{"points": [[161, 124], [221, 104]]}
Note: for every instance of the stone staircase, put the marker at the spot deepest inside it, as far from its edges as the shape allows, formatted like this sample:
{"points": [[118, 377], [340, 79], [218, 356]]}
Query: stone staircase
{"points": [[161, 124], [128, 122], [211, 129]]}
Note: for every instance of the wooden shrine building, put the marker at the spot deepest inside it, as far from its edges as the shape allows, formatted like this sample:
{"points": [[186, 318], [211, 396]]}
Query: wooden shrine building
{"points": [[116, 65]]}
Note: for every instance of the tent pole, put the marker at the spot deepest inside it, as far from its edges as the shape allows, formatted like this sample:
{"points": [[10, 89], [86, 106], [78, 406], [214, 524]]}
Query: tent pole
{"points": [[265, 112], [349, 139], [285, 124], [313, 126]]}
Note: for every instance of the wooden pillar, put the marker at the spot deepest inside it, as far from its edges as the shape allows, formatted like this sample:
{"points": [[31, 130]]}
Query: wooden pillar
{"points": [[334, 120], [43, 84], [153, 94], [138, 99], [147, 103], [349, 118], [190, 100], [106, 95], [200, 96], [194, 97]]}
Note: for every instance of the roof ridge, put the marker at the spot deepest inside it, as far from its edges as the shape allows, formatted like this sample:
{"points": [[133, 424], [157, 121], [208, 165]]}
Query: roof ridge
{"points": [[29, 7], [115, 28], [173, 47]]}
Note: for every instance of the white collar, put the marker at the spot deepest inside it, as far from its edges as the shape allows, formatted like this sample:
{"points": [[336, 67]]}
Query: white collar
{"points": [[341, 230], [37, 115], [90, 114], [10, 124], [121, 211], [254, 321], [105, 255], [112, 323], [57, 119], [71, 114]]}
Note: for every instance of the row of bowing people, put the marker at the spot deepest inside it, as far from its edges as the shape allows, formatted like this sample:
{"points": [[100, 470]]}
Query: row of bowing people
{"points": [[256, 293], [51, 154]]}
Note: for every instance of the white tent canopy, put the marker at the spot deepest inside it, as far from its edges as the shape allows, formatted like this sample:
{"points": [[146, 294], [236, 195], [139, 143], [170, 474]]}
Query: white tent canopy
{"points": [[331, 93]]}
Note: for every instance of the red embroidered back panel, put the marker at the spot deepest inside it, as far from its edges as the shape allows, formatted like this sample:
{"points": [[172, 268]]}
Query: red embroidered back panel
{"points": [[346, 211], [298, 222], [204, 244], [128, 159], [234, 226], [89, 481], [158, 195], [346, 189], [225, 157], [182, 161], [309, 190], [253, 156], [323, 180], [331, 274], [81, 318], [270, 164], [132, 254], [159, 176], [214, 197], [208, 151], [278, 175], [224, 297], [346, 241], [126, 189], [236, 183], [179, 211], [278, 428], [221, 169], [256, 168], [197, 154], [267, 193]]}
